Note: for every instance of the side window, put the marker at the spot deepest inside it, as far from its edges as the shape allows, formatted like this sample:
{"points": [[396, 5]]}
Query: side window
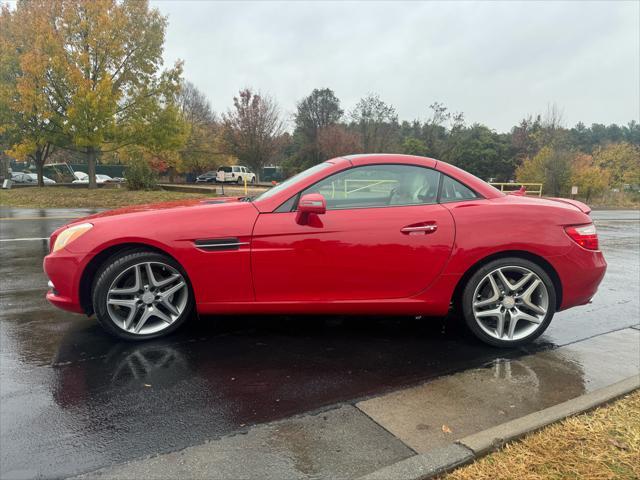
{"points": [[454, 191], [378, 186], [236, 169]]}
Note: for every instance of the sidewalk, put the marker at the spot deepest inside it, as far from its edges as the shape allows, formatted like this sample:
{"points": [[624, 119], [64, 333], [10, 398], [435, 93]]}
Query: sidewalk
{"points": [[351, 441]]}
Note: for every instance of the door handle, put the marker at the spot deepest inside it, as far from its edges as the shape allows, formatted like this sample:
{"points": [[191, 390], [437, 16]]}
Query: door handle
{"points": [[417, 229]]}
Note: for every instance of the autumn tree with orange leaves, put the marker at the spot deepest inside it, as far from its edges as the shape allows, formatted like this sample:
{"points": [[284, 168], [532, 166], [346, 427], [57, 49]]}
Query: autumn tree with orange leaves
{"points": [[26, 48], [86, 76]]}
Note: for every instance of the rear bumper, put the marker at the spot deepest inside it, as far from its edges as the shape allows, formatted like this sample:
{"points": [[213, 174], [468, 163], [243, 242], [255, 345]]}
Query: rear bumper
{"points": [[580, 272], [64, 271]]}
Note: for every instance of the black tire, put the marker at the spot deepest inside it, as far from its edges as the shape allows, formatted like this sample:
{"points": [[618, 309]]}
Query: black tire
{"points": [[253, 180], [108, 272], [239, 181], [468, 294]]}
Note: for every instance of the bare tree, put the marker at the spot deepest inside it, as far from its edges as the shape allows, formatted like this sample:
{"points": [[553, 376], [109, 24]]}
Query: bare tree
{"points": [[552, 123], [194, 105], [318, 110], [252, 129], [337, 140], [201, 150], [554, 117], [376, 121]]}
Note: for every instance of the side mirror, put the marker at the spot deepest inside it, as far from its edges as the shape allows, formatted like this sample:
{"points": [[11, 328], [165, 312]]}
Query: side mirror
{"points": [[308, 204], [312, 203]]}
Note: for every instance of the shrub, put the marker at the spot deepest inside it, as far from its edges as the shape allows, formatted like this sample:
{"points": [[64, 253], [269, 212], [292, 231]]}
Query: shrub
{"points": [[140, 175]]}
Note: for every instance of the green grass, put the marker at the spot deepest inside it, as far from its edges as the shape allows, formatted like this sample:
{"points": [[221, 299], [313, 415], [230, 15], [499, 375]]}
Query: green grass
{"points": [[64, 197]]}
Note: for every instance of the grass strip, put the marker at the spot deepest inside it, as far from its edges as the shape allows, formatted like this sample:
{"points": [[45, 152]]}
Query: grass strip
{"points": [[64, 197], [602, 444]]}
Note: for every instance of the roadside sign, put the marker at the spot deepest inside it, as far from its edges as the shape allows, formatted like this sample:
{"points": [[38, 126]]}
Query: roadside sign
{"points": [[574, 190]]}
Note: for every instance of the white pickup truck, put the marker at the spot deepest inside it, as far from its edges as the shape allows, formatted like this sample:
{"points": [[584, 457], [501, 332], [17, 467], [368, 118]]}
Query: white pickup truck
{"points": [[236, 174]]}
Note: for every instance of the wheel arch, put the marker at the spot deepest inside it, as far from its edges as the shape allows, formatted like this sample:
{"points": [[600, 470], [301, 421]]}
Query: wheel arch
{"points": [[537, 259], [86, 279]]}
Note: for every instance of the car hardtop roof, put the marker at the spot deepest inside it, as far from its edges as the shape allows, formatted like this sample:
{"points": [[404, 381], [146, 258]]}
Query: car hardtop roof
{"points": [[470, 180], [372, 158], [339, 163]]}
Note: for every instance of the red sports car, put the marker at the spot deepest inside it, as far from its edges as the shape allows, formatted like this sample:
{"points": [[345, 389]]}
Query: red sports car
{"points": [[363, 234]]}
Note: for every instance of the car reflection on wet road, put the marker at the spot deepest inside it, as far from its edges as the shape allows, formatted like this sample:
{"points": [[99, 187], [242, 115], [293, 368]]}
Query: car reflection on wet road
{"points": [[74, 399]]}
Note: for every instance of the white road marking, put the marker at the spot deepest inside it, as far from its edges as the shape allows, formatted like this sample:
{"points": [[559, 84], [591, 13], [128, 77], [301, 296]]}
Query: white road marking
{"points": [[23, 239], [13, 219]]}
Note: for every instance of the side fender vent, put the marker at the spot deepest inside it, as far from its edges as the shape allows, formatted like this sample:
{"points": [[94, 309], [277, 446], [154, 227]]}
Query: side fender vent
{"points": [[219, 244]]}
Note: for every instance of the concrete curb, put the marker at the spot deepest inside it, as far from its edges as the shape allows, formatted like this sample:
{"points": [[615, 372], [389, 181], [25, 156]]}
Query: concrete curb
{"points": [[483, 442], [472, 447], [425, 465]]}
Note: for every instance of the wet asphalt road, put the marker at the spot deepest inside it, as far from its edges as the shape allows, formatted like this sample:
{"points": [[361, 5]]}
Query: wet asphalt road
{"points": [[73, 399]]}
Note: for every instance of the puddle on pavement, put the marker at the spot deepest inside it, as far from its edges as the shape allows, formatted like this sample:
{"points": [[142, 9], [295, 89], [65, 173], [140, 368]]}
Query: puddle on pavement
{"points": [[503, 390]]}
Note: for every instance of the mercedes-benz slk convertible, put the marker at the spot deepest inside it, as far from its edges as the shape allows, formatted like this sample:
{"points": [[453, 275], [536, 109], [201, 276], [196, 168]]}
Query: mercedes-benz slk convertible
{"points": [[363, 234]]}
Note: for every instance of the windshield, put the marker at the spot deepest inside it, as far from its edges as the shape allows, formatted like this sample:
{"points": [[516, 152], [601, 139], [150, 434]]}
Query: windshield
{"points": [[290, 181]]}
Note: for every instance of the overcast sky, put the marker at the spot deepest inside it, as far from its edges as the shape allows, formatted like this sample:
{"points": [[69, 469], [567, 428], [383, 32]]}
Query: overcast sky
{"points": [[495, 61]]}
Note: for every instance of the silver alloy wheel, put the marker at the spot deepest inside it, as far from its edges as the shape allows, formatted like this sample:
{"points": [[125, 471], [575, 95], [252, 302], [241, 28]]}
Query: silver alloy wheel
{"points": [[510, 303], [147, 298]]}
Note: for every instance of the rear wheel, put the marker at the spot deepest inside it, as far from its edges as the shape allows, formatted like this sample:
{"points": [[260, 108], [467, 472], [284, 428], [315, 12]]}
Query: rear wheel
{"points": [[509, 302], [140, 295], [239, 181]]}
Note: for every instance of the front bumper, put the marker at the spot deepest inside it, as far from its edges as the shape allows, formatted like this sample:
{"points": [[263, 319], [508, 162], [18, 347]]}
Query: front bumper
{"points": [[64, 271]]}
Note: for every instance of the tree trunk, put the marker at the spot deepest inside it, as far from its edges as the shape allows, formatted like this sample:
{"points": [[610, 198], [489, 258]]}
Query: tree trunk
{"points": [[4, 164], [91, 154], [39, 167]]}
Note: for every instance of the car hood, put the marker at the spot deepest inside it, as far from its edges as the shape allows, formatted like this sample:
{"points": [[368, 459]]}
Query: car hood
{"points": [[158, 207]]}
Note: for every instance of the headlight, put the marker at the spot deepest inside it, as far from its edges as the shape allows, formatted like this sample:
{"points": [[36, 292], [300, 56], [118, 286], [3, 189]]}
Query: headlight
{"points": [[70, 234]]}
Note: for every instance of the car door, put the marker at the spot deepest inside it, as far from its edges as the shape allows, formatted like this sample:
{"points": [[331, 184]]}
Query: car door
{"points": [[383, 236]]}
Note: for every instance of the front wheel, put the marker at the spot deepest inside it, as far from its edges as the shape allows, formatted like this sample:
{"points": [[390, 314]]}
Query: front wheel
{"points": [[138, 295], [509, 302]]}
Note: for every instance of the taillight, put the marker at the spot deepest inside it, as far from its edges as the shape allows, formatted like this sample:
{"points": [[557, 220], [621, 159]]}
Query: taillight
{"points": [[584, 235]]}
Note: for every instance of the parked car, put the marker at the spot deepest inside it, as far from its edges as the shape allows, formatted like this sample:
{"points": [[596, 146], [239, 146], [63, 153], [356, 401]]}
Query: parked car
{"points": [[363, 234], [81, 176], [31, 178], [207, 177], [235, 173], [272, 174], [100, 178]]}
